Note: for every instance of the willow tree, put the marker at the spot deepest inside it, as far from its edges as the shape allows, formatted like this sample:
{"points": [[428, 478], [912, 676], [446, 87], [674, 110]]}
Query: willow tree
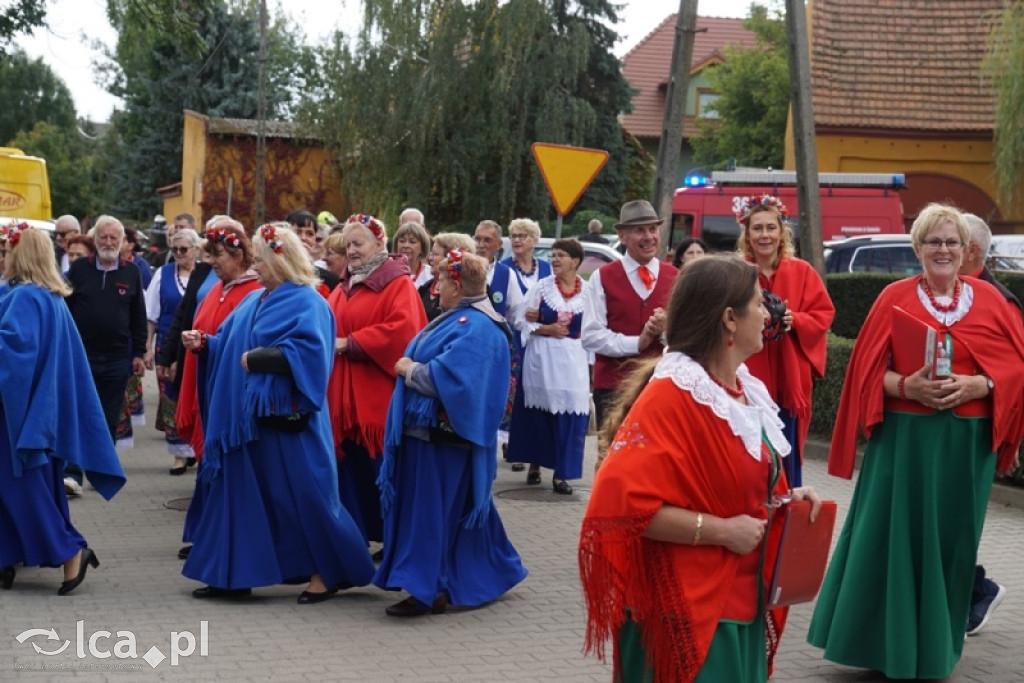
{"points": [[1004, 65], [436, 103]]}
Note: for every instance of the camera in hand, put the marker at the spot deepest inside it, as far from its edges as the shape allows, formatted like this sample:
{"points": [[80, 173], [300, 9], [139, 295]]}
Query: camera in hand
{"points": [[776, 309]]}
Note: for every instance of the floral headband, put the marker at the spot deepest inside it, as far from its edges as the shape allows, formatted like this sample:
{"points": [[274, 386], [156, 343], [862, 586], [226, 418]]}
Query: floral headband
{"points": [[372, 224], [455, 264], [13, 233], [744, 206], [229, 238], [269, 234]]}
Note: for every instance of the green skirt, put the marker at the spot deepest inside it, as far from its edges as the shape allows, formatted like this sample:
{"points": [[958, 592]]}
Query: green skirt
{"points": [[898, 589], [737, 654]]}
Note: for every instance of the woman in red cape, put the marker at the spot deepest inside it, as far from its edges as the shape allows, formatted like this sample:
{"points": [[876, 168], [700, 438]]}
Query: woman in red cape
{"points": [[898, 589], [789, 361], [378, 312], [673, 550]]}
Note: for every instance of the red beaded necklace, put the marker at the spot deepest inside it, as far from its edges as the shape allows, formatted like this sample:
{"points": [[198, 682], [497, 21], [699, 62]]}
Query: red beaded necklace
{"points": [[735, 393], [942, 308], [576, 290]]}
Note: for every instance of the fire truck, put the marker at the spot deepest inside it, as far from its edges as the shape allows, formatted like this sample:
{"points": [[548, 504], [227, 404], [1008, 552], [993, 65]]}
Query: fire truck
{"points": [[852, 204]]}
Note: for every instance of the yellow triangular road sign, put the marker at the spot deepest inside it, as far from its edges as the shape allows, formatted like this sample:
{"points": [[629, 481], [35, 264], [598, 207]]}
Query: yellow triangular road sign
{"points": [[567, 171]]}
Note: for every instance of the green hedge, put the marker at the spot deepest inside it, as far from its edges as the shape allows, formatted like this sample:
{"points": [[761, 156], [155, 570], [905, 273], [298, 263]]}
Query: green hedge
{"points": [[853, 295]]}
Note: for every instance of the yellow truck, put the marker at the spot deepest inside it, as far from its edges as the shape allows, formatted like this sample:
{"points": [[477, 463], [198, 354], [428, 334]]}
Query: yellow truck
{"points": [[24, 186]]}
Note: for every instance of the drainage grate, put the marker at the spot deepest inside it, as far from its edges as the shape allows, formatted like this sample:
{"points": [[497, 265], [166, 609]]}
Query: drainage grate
{"points": [[540, 494], [178, 504]]}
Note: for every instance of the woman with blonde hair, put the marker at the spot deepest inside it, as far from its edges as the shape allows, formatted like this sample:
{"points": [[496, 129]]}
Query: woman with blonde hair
{"points": [[377, 311], [443, 243], [271, 511], [794, 353], [39, 379]]}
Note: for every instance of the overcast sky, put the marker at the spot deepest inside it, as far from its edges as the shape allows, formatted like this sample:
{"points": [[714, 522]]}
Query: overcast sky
{"points": [[74, 24]]}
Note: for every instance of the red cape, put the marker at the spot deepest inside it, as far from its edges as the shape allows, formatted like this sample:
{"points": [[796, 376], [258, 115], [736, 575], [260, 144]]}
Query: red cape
{"points": [[787, 365], [662, 454], [990, 331], [380, 316]]}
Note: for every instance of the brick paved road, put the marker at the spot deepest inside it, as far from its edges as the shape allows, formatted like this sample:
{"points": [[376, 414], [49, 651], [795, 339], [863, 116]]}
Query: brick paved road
{"points": [[532, 634]]}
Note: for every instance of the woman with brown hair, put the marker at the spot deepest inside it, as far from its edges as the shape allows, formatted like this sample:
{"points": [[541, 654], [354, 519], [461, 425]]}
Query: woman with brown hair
{"points": [[673, 548], [795, 355]]}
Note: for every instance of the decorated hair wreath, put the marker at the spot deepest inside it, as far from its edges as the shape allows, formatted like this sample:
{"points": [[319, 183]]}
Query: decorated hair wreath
{"points": [[225, 236], [269, 234], [13, 233], [744, 206], [371, 223], [454, 258]]}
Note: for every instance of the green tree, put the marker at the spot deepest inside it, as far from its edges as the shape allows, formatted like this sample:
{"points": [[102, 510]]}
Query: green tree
{"points": [[158, 78], [75, 166], [436, 104], [1004, 66], [20, 16], [754, 98], [31, 92]]}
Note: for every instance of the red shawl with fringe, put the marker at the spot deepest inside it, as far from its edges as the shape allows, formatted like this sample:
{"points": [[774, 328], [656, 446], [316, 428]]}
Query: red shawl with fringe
{"points": [[669, 450], [214, 309], [990, 331], [787, 365], [380, 316]]}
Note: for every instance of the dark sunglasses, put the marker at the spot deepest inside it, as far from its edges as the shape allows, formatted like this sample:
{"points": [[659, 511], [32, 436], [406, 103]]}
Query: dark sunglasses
{"points": [[180, 250]]}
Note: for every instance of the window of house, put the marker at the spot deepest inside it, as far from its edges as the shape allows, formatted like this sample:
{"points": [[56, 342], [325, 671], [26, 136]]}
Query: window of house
{"points": [[704, 100]]}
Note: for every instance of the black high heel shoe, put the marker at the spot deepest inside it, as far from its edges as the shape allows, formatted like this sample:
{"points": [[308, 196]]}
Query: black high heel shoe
{"points": [[7, 578], [88, 557]]}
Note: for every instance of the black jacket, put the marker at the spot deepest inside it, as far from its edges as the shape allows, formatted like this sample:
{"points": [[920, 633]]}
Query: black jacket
{"points": [[109, 308]]}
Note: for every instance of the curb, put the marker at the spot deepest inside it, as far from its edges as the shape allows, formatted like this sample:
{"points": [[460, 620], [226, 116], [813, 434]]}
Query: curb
{"points": [[1002, 494]]}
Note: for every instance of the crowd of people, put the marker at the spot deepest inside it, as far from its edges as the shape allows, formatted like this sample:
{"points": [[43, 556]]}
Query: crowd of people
{"points": [[336, 386]]}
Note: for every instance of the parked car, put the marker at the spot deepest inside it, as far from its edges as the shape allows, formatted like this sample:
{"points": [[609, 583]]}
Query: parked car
{"points": [[874, 254], [1006, 253], [595, 254]]}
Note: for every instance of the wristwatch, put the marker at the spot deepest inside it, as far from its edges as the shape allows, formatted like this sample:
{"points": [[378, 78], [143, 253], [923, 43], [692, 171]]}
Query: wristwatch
{"points": [[989, 383]]}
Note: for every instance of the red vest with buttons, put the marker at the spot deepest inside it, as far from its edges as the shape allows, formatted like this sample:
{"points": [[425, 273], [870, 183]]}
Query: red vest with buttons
{"points": [[627, 313]]}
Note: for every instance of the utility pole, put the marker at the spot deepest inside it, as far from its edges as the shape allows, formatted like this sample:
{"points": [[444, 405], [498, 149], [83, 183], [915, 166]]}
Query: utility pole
{"points": [[672, 124], [259, 190], [804, 146]]}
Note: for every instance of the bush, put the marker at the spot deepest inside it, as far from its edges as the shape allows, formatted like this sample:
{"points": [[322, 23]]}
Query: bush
{"points": [[853, 295]]}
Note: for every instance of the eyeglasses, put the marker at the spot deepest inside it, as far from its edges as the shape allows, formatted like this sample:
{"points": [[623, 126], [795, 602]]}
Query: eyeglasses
{"points": [[519, 237], [65, 233], [180, 250], [936, 244]]}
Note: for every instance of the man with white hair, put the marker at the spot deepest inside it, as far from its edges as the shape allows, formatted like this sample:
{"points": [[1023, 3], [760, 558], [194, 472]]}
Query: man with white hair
{"points": [[108, 306], [65, 227], [412, 215]]}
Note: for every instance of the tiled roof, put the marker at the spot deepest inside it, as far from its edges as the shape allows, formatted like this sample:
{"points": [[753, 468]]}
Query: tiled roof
{"points": [[248, 127], [901, 64], [647, 66]]}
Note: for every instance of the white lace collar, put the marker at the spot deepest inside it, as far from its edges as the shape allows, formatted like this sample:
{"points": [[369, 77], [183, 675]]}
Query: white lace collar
{"points": [[951, 317], [553, 296], [760, 415]]}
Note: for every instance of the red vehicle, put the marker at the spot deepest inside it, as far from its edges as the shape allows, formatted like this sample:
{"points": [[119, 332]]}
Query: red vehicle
{"points": [[852, 204]]}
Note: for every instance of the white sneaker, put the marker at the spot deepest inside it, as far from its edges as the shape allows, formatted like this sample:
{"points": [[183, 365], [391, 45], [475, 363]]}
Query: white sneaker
{"points": [[72, 487]]}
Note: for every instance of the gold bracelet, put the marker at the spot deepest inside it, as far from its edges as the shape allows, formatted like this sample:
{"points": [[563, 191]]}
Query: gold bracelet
{"points": [[700, 525]]}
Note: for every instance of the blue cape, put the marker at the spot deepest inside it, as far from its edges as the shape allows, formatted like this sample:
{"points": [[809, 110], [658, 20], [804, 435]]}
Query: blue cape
{"points": [[467, 353], [49, 399], [293, 318]]}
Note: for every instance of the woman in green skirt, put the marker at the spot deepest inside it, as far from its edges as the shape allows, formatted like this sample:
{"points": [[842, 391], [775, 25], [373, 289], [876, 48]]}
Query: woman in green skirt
{"points": [[897, 593]]}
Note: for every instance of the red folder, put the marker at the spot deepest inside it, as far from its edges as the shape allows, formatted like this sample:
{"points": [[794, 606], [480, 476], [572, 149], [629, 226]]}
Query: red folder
{"points": [[803, 553], [914, 343]]}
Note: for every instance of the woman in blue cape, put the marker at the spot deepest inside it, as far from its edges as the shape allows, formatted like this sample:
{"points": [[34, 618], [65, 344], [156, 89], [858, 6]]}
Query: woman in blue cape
{"points": [[271, 511], [49, 414], [443, 539]]}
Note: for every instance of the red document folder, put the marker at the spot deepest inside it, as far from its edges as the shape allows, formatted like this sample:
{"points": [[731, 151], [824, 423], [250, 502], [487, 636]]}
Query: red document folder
{"points": [[803, 553], [914, 343]]}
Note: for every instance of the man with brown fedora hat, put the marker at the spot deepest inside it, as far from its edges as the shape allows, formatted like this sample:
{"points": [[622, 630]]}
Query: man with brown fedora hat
{"points": [[623, 309]]}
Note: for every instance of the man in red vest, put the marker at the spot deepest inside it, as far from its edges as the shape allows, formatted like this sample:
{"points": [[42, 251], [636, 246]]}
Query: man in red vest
{"points": [[623, 314]]}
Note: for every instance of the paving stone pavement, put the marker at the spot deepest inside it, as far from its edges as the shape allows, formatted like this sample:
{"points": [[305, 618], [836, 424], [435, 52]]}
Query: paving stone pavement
{"points": [[534, 633]]}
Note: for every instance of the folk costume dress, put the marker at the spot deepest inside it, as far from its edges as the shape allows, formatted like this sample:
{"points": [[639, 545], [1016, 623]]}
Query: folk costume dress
{"points": [[442, 533], [162, 298], [897, 593], [379, 315], [680, 613], [271, 510], [552, 408], [216, 305], [41, 380], [789, 364]]}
